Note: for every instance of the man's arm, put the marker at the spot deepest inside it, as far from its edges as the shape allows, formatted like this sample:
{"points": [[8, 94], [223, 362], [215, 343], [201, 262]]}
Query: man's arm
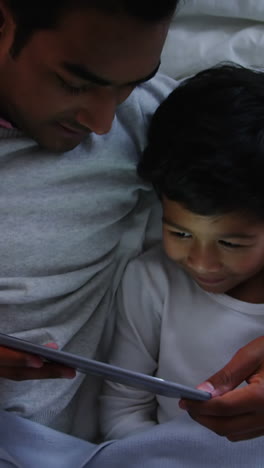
{"points": [[17, 365]]}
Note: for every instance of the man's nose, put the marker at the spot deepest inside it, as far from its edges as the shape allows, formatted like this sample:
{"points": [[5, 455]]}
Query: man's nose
{"points": [[98, 109]]}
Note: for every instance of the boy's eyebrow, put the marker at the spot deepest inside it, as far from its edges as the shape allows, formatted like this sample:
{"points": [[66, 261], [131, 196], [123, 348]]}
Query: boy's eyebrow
{"points": [[174, 225], [237, 235], [230, 235], [82, 72]]}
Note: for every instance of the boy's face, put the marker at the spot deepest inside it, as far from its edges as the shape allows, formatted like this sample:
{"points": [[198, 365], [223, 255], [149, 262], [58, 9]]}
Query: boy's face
{"points": [[67, 82], [218, 252]]}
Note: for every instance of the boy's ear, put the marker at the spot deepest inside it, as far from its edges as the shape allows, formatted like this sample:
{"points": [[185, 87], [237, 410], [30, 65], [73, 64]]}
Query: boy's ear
{"points": [[7, 30]]}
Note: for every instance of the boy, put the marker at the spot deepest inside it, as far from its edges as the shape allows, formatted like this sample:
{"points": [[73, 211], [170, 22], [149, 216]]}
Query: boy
{"points": [[185, 308]]}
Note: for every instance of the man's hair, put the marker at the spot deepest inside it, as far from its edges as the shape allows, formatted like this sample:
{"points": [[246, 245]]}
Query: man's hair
{"points": [[31, 16], [206, 143]]}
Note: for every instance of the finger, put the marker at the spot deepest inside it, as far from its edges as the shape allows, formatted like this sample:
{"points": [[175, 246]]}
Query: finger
{"points": [[237, 428], [48, 371], [247, 399], [11, 357], [247, 361]]}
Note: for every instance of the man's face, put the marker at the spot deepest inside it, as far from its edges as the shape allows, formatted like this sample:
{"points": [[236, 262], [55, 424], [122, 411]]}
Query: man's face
{"points": [[221, 253], [67, 82]]}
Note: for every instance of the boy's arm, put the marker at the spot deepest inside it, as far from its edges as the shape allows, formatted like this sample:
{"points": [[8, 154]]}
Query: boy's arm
{"points": [[235, 413], [125, 410]]}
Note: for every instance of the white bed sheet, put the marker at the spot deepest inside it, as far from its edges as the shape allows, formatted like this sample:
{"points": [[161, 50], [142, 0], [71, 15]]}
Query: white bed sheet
{"points": [[206, 32]]}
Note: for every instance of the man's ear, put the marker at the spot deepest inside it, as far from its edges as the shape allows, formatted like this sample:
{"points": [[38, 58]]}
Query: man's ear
{"points": [[7, 30]]}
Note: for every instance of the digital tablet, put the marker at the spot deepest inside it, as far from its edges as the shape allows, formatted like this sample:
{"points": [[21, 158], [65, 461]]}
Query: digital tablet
{"points": [[117, 374]]}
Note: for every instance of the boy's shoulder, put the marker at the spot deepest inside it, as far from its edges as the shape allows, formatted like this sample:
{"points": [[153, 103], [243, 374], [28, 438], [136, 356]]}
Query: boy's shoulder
{"points": [[154, 256], [157, 268]]}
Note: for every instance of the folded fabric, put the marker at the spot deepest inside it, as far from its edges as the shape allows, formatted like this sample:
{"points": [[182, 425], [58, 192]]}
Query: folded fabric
{"points": [[25, 444]]}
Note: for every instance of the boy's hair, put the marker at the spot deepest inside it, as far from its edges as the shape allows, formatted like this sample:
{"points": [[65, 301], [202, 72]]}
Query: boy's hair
{"points": [[206, 143], [31, 16]]}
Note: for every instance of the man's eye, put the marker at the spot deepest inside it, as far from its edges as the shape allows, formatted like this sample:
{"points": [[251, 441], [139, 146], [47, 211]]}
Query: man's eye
{"points": [[231, 245], [70, 88]]}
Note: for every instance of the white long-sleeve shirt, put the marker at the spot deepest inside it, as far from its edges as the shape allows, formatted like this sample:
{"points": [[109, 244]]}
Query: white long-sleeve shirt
{"points": [[169, 327]]}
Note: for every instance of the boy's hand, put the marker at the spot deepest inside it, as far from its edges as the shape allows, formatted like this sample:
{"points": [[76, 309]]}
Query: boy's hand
{"points": [[237, 414], [17, 365]]}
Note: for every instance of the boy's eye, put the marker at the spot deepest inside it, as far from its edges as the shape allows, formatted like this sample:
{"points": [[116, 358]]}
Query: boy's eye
{"points": [[231, 245], [180, 234]]}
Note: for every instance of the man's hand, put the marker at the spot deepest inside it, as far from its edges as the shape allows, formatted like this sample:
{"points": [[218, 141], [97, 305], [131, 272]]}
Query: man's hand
{"points": [[17, 365], [236, 413]]}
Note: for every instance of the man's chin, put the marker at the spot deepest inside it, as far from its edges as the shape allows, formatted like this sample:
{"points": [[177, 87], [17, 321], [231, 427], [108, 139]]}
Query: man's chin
{"points": [[57, 145], [54, 139]]}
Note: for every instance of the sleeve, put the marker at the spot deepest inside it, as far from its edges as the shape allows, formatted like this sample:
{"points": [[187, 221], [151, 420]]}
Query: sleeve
{"points": [[125, 410]]}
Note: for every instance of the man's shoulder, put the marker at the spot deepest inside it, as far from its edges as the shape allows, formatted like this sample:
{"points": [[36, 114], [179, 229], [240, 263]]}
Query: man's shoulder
{"points": [[129, 129], [148, 96], [157, 89], [145, 99]]}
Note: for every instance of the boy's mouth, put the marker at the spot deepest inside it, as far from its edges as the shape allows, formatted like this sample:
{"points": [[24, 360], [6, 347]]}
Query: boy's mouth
{"points": [[209, 280]]}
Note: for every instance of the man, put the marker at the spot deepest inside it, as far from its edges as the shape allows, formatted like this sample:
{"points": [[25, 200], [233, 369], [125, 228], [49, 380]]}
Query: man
{"points": [[72, 209]]}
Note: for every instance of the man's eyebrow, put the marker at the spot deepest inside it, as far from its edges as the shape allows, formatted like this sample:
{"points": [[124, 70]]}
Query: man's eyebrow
{"points": [[82, 72]]}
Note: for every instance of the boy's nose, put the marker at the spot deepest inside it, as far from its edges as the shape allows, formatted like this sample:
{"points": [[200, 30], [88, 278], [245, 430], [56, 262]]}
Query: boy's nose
{"points": [[98, 110], [203, 260]]}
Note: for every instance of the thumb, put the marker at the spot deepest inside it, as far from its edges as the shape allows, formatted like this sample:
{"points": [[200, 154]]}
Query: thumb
{"points": [[247, 361], [52, 345]]}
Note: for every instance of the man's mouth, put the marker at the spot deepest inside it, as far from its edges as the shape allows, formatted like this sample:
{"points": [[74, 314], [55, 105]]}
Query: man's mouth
{"points": [[74, 131]]}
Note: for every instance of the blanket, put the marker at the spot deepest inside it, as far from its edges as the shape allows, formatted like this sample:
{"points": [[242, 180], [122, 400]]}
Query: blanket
{"points": [[25, 444]]}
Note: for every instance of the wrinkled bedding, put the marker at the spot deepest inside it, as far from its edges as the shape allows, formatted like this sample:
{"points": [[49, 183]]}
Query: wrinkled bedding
{"points": [[206, 32]]}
